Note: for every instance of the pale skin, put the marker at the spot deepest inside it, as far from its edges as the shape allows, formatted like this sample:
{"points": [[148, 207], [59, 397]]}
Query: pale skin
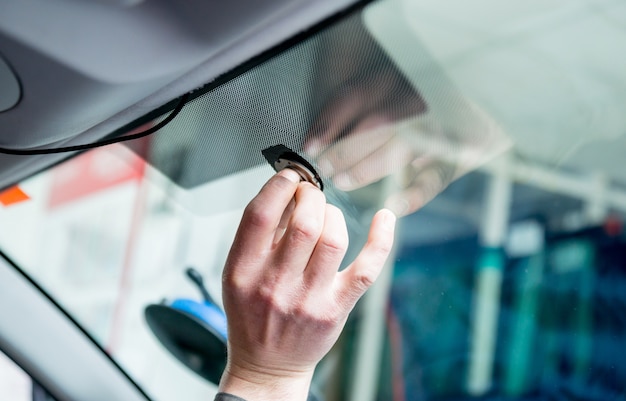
{"points": [[285, 299]]}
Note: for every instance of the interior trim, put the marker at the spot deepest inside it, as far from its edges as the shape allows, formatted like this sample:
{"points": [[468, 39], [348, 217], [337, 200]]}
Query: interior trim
{"points": [[292, 26], [11, 92], [246, 66], [49, 345]]}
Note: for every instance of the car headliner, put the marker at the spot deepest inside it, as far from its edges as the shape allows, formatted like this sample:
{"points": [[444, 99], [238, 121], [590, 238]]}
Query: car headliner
{"points": [[88, 68]]}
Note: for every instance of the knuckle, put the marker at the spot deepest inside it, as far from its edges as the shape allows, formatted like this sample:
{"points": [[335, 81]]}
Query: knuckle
{"points": [[335, 242], [230, 280], [234, 284], [271, 300], [306, 229], [364, 280], [256, 215], [267, 296]]}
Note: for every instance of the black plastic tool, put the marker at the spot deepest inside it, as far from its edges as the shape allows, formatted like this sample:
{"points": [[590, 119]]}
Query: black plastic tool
{"points": [[281, 157]]}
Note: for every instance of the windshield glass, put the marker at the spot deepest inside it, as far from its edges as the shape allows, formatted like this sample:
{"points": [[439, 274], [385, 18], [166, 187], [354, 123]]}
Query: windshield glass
{"points": [[495, 130]]}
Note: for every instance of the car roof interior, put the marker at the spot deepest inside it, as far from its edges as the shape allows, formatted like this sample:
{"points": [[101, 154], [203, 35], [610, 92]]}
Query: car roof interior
{"points": [[110, 62]]}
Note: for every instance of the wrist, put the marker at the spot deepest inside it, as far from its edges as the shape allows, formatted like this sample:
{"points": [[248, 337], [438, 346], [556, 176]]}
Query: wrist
{"points": [[254, 384]]}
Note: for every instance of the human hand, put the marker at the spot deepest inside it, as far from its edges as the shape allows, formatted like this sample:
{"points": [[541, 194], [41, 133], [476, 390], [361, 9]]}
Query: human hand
{"points": [[285, 300], [420, 154]]}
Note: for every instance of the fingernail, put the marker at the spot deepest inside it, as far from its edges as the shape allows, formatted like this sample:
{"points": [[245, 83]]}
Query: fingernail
{"points": [[290, 174], [343, 181], [398, 205]]}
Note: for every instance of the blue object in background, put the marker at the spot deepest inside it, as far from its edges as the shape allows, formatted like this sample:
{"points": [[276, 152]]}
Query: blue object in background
{"points": [[207, 312], [194, 332]]}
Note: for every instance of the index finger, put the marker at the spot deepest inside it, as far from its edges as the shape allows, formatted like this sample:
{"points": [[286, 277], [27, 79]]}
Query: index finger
{"points": [[262, 216]]}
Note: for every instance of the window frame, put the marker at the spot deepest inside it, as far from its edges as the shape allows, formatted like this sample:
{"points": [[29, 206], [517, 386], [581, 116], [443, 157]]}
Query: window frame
{"points": [[41, 338]]}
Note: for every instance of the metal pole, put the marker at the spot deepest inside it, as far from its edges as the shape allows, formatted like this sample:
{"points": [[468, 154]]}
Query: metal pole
{"points": [[489, 279]]}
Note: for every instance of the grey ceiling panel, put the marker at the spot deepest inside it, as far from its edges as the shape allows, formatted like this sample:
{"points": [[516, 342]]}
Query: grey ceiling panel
{"points": [[88, 68], [58, 102], [10, 92]]}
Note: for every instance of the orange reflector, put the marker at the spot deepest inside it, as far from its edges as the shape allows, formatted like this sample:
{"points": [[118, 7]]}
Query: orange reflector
{"points": [[12, 196]]}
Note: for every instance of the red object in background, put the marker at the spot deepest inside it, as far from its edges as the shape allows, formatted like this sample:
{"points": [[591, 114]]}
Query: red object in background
{"points": [[613, 226], [91, 172], [12, 196]]}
